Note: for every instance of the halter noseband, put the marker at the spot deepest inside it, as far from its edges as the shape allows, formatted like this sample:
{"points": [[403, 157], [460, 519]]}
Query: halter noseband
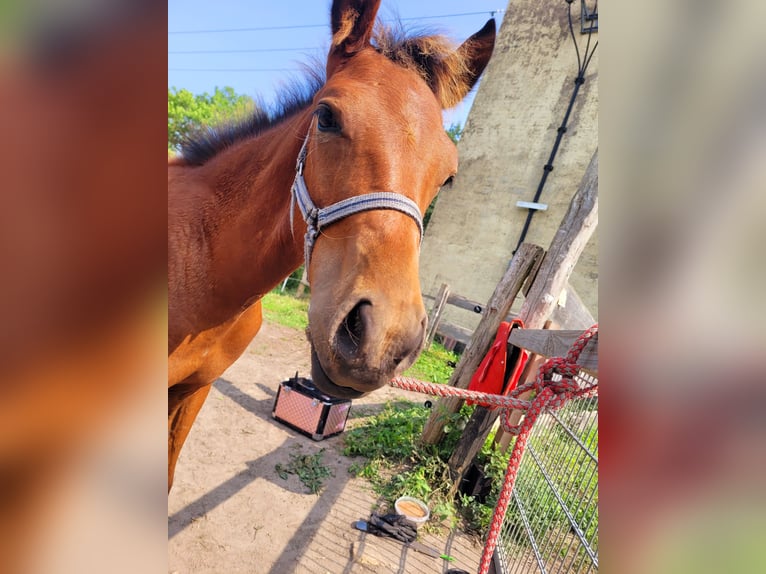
{"points": [[317, 218]]}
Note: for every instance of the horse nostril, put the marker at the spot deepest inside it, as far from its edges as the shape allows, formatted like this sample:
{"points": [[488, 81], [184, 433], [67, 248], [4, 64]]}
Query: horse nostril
{"points": [[350, 336]]}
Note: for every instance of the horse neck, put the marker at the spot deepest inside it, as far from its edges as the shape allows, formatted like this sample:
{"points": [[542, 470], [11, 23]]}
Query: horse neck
{"points": [[253, 246]]}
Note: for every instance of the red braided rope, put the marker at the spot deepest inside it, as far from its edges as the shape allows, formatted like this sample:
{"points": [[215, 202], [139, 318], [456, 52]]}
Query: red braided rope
{"points": [[484, 399], [550, 394]]}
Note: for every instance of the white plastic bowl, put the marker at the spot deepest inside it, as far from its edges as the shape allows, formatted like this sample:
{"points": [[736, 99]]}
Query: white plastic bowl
{"points": [[415, 510]]}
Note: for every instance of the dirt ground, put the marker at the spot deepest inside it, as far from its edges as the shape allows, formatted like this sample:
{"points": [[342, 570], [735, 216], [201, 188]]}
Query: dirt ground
{"points": [[229, 512]]}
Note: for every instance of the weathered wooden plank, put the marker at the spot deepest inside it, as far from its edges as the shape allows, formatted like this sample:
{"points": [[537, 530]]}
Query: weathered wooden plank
{"points": [[301, 290], [574, 232], [465, 303], [556, 344], [454, 332], [436, 313], [496, 310], [570, 312], [531, 279]]}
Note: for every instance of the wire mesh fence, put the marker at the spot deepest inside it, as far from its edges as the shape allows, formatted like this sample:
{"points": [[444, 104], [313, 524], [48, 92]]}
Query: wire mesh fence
{"points": [[552, 522]]}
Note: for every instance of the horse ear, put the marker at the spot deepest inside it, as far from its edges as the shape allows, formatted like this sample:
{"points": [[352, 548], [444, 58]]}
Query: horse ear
{"points": [[474, 55], [352, 25]]}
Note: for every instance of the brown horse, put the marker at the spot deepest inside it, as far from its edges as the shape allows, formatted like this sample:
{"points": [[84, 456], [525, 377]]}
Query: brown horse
{"points": [[371, 154]]}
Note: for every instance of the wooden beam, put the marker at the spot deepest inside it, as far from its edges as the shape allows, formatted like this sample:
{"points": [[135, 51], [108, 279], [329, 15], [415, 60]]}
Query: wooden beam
{"points": [[570, 312], [574, 232], [496, 310], [454, 332], [465, 303], [301, 290], [436, 313], [556, 344]]}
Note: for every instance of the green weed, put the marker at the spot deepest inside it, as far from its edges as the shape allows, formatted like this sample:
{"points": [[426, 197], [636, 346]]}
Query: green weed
{"points": [[308, 468], [397, 465], [434, 365], [286, 310]]}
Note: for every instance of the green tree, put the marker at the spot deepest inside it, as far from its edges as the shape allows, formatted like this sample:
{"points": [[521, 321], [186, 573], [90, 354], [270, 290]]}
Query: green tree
{"points": [[454, 131], [187, 111]]}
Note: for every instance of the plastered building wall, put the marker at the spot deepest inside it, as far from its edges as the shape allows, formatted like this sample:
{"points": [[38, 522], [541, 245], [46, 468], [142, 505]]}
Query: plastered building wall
{"points": [[507, 139]]}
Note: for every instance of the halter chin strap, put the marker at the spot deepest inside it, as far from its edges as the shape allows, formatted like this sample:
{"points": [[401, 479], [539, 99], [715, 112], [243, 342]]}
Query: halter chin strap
{"points": [[317, 218]]}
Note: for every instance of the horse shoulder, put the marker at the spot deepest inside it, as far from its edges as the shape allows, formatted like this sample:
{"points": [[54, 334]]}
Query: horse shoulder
{"points": [[204, 356]]}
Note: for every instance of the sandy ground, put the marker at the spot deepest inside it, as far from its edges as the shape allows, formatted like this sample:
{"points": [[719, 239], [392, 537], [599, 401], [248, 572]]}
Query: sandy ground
{"points": [[229, 512]]}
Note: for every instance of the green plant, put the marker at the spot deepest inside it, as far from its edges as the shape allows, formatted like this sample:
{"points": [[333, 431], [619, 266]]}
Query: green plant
{"points": [[477, 516], [454, 131], [435, 365], [188, 113], [308, 468], [397, 465], [286, 310]]}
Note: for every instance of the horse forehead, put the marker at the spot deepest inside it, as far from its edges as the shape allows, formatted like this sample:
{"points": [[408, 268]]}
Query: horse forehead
{"points": [[395, 104], [376, 80]]}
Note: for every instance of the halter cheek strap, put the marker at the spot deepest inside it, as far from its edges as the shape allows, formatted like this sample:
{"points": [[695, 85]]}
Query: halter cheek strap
{"points": [[318, 218]]}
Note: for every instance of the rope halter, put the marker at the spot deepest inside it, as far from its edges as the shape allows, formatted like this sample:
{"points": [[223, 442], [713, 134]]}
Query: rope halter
{"points": [[317, 218]]}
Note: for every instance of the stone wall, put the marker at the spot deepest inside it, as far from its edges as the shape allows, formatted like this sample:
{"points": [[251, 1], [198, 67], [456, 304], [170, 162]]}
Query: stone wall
{"points": [[508, 137]]}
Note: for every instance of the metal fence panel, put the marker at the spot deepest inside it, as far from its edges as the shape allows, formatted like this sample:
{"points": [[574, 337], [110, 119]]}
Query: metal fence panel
{"points": [[552, 522]]}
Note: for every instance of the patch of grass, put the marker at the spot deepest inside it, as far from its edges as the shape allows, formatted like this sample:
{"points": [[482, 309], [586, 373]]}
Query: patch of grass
{"points": [[286, 310], [397, 465], [308, 468], [434, 365]]}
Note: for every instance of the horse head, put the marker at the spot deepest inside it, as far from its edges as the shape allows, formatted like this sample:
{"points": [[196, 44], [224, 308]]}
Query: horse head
{"points": [[376, 128]]}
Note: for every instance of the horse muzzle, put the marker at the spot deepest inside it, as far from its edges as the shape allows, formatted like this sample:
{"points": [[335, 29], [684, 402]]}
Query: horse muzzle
{"points": [[363, 353]]}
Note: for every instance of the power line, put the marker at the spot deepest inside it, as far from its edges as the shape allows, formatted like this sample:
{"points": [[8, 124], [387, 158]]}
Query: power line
{"points": [[299, 26], [234, 70], [240, 51], [258, 29], [490, 12]]}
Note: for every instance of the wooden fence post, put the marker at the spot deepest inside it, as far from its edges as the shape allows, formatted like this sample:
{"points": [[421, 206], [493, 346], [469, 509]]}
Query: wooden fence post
{"points": [[436, 313], [574, 232], [301, 290], [497, 309]]}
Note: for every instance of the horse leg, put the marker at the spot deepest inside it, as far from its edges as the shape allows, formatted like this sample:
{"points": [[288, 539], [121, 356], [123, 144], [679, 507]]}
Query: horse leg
{"points": [[184, 403], [185, 398]]}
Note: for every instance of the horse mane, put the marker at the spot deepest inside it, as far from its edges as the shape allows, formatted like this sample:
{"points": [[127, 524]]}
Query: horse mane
{"points": [[208, 141], [431, 56]]}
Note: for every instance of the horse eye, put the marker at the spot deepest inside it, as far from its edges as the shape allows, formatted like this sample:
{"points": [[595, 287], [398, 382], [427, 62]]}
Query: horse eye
{"points": [[448, 181], [326, 120]]}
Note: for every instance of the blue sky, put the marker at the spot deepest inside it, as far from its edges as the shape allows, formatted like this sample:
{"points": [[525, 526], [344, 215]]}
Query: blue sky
{"points": [[258, 62]]}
